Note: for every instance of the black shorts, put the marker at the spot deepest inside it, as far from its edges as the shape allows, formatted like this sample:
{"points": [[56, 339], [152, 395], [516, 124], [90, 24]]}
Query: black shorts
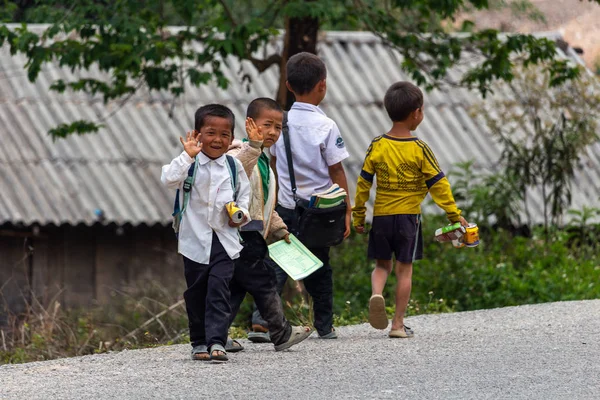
{"points": [[399, 234]]}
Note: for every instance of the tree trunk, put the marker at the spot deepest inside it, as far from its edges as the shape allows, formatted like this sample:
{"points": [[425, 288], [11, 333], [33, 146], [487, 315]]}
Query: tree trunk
{"points": [[300, 35]]}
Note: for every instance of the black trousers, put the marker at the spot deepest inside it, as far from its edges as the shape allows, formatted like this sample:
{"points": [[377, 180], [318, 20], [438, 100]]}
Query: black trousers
{"points": [[253, 275], [207, 296], [319, 284]]}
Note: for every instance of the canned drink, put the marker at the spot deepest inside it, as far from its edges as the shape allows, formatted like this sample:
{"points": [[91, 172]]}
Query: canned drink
{"points": [[235, 213], [471, 238]]}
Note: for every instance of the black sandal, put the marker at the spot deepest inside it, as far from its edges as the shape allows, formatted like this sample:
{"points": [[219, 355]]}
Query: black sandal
{"points": [[218, 358]]}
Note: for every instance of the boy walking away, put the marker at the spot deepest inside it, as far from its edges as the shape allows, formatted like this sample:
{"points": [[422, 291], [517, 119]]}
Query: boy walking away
{"points": [[406, 171], [208, 239], [254, 270], [317, 152]]}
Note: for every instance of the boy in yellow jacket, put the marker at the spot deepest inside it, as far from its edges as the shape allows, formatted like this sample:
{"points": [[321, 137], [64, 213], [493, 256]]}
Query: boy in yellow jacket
{"points": [[406, 171]]}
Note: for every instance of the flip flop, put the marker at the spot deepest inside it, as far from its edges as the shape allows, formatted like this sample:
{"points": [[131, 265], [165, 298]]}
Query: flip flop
{"points": [[200, 353], [218, 358], [330, 335], [403, 333], [233, 346], [299, 333], [377, 316], [259, 337]]}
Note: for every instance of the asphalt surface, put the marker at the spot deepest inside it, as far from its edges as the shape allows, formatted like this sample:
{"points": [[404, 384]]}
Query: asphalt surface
{"points": [[546, 351]]}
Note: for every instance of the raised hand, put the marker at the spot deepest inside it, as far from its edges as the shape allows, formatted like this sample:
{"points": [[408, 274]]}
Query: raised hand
{"points": [[254, 132], [190, 144]]}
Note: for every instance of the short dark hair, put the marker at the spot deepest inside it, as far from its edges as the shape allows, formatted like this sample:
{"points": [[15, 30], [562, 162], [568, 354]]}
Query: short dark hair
{"points": [[401, 99], [256, 106], [304, 71], [213, 110]]}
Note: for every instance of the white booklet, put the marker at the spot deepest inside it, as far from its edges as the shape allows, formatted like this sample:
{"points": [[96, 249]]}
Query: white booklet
{"points": [[294, 258]]}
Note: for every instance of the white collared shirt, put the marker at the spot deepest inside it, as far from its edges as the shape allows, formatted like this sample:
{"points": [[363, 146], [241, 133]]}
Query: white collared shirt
{"points": [[316, 144], [205, 211]]}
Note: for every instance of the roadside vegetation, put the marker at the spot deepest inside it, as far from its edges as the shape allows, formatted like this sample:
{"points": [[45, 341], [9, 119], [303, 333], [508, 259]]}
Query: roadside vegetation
{"points": [[505, 270]]}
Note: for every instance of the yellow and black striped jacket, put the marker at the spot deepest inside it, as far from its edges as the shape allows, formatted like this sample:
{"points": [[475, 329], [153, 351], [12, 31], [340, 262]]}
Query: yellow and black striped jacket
{"points": [[406, 171]]}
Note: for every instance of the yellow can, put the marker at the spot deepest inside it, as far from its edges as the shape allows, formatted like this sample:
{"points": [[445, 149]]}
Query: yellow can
{"points": [[235, 213], [471, 238]]}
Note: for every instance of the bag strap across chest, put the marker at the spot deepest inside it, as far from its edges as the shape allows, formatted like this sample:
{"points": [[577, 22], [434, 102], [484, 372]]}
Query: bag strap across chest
{"points": [[285, 130]]}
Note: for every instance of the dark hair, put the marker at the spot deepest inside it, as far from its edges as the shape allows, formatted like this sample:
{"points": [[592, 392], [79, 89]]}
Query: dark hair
{"points": [[401, 99], [304, 71], [256, 106], [213, 110]]}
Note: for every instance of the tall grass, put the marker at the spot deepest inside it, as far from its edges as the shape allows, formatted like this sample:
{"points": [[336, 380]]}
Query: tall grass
{"points": [[503, 271], [129, 321]]}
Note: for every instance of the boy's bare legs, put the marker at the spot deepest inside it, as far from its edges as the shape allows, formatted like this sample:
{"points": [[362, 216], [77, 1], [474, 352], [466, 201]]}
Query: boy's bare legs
{"points": [[377, 315], [383, 268], [403, 288]]}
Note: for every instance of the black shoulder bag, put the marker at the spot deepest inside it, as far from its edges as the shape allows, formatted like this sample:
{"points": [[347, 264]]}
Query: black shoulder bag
{"points": [[314, 227]]}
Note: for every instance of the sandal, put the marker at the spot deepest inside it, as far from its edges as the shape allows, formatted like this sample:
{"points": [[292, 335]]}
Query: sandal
{"points": [[299, 333], [330, 335], [377, 316], [259, 337], [233, 346], [200, 353], [403, 333], [218, 358]]}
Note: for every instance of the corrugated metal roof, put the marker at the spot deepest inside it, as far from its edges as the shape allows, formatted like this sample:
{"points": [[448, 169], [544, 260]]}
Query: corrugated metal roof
{"points": [[118, 169]]}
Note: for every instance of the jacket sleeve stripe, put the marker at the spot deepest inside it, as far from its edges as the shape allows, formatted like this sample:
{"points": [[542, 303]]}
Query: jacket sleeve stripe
{"points": [[434, 180], [428, 150], [427, 156], [366, 176]]}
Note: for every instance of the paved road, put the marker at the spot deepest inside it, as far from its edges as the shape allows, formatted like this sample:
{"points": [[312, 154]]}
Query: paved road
{"points": [[547, 351]]}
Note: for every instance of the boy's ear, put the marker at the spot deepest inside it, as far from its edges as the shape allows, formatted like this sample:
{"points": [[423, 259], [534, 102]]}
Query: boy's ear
{"points": [[287, 85], [322, 85]]}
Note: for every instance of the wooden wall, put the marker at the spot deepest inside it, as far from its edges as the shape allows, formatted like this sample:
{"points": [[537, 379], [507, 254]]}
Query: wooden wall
{"points": [[15, 273], [82, 265]]}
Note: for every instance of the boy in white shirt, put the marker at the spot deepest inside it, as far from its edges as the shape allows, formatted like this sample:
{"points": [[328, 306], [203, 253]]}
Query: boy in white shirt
{"points": [[208, 239], [318, 150]]}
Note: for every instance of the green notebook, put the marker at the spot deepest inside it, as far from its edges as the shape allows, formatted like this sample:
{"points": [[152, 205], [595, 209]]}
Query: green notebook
{"points": [[294, 258]]}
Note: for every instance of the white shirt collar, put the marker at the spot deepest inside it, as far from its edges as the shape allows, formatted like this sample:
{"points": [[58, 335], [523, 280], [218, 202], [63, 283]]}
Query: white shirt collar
{"points": [[298, 105], [203, 159]]}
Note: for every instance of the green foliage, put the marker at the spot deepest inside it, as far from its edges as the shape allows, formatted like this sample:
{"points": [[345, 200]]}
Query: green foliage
{"points": [[128, 41], [582, 234], [502, 271], [544, 133], [491, 199], [7, 10], [79, 127]]}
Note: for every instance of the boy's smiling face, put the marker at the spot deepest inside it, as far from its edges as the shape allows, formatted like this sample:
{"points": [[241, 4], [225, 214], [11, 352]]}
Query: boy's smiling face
{"points": [[270, 123], [215, 136]]}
